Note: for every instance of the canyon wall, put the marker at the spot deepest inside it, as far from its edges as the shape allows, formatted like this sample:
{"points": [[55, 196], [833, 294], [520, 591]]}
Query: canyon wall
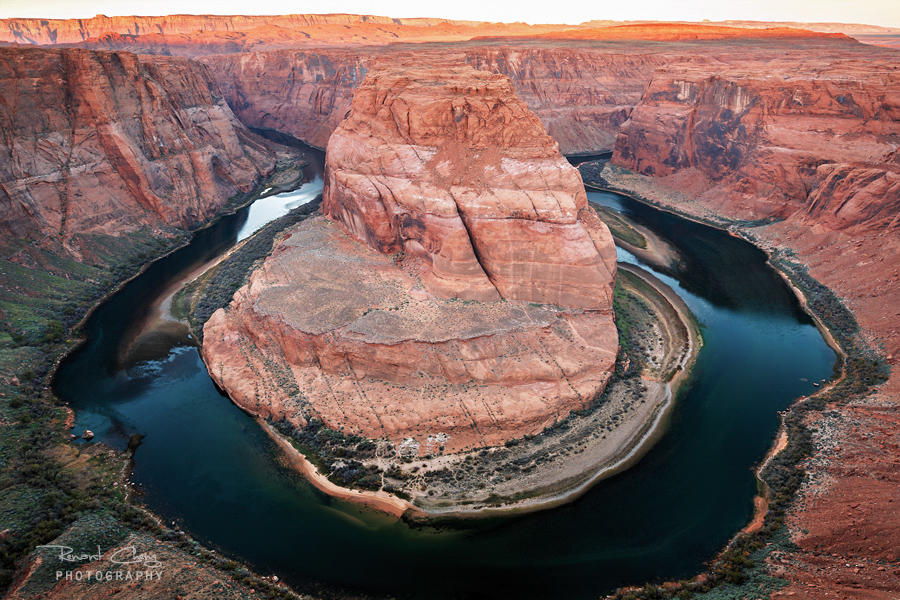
{"points": [[812, 147], [462, 291], [241, 32], [302, 93], [99, 144], [798, 138], [581, 95], [802, 155]]}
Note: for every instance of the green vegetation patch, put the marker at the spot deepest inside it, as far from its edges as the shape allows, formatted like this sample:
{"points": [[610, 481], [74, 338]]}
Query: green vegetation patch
{"points": [[213, 290], [85, 535], [620, 227], [336, 455]]}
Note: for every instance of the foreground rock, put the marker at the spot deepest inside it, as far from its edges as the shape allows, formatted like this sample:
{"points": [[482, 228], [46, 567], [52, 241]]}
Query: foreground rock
{"points": [[463, 295]]}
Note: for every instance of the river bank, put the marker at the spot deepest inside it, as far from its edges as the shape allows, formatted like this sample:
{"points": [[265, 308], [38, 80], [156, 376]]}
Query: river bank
{"points": [[643, 242], [812, 428], [97, 467], [604, 520], [602, 184], [565, 460]]}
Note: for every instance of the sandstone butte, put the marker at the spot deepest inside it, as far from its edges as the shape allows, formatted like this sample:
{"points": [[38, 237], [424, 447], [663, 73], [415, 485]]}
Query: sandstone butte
{"points": [[460, 288]]}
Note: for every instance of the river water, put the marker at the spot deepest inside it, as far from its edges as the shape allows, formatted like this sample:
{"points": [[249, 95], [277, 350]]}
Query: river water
{"points": [[208, 467]]}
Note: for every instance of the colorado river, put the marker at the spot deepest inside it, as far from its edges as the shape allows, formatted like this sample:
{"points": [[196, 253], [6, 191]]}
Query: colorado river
{"points": [[209, 467]]}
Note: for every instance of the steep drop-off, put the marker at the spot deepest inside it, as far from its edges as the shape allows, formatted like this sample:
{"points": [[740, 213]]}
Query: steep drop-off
{"points": [[810, 148], [101, 144], [582, 95], [463, 175], [470, 302], [802, 156]]}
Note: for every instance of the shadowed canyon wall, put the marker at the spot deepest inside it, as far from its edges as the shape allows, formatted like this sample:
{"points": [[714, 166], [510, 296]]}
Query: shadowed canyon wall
{"points": [[99, 144]]}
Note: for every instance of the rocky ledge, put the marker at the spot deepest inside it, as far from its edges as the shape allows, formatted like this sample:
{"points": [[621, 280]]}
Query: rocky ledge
{"points": [[458, 292]]}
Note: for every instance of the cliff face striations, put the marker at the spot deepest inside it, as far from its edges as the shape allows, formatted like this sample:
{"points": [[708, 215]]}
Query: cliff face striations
{"points": [[581, 95], [800, 138], [100, 144], [811, 148], [463, 293], [463, 175]]}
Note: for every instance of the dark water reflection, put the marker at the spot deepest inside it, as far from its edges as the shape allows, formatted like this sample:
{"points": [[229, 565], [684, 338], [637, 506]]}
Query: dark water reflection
{"points": [[206, 465]]}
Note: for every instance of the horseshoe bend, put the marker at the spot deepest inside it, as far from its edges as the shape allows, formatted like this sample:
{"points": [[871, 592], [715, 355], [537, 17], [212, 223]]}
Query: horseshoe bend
{"points": [[455, 295], [640, 280]]}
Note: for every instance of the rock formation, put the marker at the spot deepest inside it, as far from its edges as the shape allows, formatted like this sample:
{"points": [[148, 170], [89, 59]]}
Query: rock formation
{"points": [[464, 175], [100, 144], [799, 138], [463, 293]]}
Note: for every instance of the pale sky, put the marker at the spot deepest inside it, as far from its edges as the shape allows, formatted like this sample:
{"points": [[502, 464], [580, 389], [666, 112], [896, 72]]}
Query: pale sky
{"points": [[874, 12]]}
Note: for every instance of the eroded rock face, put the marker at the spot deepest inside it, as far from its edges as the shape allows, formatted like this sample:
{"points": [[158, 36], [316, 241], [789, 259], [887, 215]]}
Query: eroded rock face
{"points": [[460, 297], [582, 95], [332, 329], [812, 143], [101, 143], [811, 146], [447, 164], [772, 145]]}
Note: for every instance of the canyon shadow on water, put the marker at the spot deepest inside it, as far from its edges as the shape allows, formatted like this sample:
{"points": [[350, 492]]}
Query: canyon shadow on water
{"points": [[207, 466]]}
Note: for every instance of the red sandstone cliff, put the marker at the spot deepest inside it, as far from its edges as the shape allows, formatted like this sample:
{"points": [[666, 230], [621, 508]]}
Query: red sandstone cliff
{"points": [[583, 91], [581, 95], [100, 143], [303, 93], [800, 137], [464, 175], [812, 143], [241, 30], [812, 146], [478, 306]]}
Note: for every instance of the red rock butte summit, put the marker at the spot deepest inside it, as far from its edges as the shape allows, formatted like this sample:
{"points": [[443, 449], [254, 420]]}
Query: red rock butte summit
{"points": [[448, 164], [461, 294]]}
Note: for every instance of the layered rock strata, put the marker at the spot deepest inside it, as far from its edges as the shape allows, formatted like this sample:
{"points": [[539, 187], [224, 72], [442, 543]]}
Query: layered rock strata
{"points": [[100, 144], [803, 159], [811, 150], [581, 95], [462, 292], [455, 169]]}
